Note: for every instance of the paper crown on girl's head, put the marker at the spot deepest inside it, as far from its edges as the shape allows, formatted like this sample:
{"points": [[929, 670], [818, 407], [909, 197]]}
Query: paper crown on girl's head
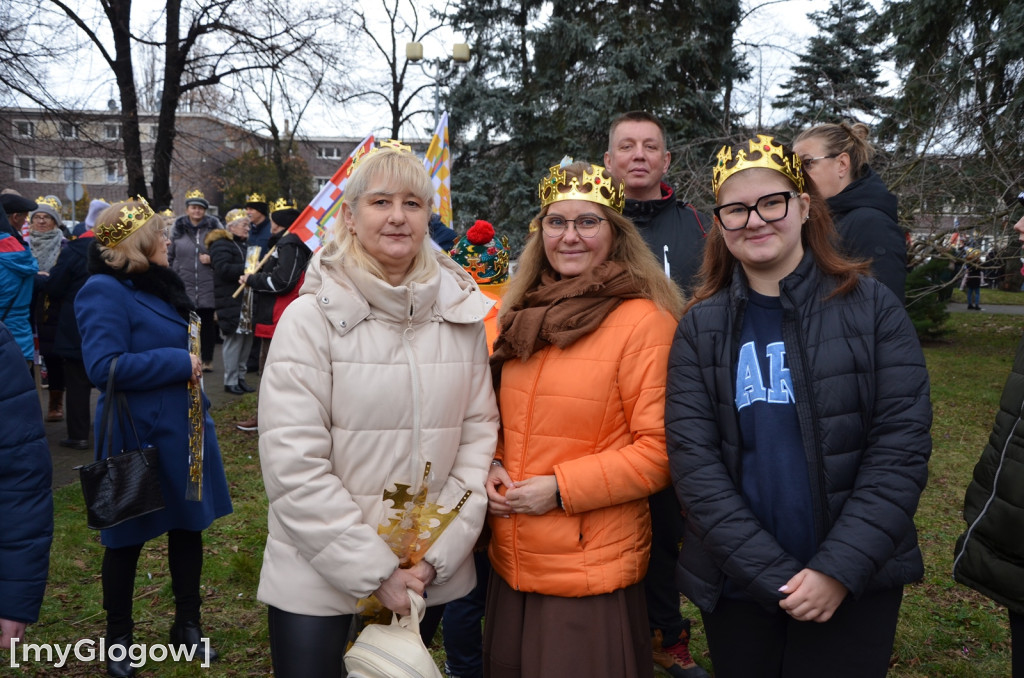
{"points": [[282, 204], [596, 185], [482, 255], [763, 152], [130, 219]]}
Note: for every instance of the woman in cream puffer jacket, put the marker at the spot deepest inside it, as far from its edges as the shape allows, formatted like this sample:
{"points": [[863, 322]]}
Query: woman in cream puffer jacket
{"points": [[366, 382]]}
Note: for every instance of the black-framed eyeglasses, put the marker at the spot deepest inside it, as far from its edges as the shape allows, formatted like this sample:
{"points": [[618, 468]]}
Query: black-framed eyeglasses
{"points": [[772, 207], [586, 225], [808, 162]]}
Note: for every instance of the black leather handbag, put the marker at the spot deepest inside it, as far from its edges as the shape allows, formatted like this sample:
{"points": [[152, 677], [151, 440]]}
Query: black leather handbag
{"points": [[125, 485]]}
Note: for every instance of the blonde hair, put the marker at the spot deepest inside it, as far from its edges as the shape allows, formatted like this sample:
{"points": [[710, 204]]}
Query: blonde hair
{"points": [[132, 254], [628, 249], [399, 170], [844, 137]]}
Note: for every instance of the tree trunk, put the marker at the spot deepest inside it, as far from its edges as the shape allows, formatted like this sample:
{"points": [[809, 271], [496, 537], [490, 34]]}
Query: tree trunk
{"points": [[174, 66], [119, 13]]}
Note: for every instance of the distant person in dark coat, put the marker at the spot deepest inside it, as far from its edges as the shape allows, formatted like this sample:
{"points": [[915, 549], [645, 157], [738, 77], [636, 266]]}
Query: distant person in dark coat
{"points": [[277, 284], [228, 250], [189, 258], [26, 504], [136, 309], [66, 278], [837, 158]]}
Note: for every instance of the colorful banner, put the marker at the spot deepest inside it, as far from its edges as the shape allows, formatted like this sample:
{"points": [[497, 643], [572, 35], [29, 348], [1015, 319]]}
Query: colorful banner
{"points": [[438, 162], [314, 223]]}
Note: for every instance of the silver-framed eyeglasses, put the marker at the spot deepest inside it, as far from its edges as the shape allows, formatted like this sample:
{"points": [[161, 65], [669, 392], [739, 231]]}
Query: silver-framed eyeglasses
{"points": [[586, 225], [808, 162], [772, 207]]}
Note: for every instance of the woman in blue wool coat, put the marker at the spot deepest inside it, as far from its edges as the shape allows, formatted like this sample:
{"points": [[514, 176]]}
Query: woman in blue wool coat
{"points": [[135, 309], [26, 504]]}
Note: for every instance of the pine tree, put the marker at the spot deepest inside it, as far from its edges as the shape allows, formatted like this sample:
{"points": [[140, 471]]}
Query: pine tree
{"points": [[541, 87], [837, 78]]}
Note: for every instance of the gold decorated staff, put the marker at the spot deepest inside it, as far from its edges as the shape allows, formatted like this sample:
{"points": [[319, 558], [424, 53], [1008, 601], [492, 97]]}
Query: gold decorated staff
{"points": [[196, 429]]}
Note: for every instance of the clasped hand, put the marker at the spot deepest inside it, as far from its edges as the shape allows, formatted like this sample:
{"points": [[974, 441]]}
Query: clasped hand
{"points": [[533, 496], [812, 596], [392, 592]]}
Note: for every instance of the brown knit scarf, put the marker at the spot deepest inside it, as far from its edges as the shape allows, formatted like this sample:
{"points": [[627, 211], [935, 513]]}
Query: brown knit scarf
{"points": [[561, 310]]}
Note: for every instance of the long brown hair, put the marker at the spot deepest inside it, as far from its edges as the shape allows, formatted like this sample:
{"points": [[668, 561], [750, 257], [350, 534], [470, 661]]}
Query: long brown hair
{"points": [[818, 235], [628, 248]]}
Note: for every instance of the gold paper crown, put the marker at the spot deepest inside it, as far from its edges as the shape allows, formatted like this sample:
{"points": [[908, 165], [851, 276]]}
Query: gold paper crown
{"points": [[596, 185], [195, 193], [131, 219], [255, 197], [282, 204], [50, 200], [386, 143], [167, 213], [764, 152]]}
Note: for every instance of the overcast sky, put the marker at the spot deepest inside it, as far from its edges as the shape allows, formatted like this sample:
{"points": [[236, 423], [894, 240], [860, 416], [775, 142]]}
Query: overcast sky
{"points": [[772, 35]]}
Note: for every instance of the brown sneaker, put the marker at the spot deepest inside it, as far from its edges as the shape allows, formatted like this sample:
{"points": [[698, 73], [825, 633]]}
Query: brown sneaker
{"points": [[249, 424], [675, 660]]}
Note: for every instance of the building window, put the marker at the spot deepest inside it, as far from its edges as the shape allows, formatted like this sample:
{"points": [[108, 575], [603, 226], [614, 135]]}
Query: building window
{"points": [[320, 182], [26, 169], [25, 129], [115, 172], [68, 130], [328, 152], [153, 130], [73, 171], [111, 131]]}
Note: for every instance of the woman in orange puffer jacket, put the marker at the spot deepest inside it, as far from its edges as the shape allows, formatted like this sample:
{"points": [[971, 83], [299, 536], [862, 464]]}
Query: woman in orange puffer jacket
{"points": [[580, 367]]}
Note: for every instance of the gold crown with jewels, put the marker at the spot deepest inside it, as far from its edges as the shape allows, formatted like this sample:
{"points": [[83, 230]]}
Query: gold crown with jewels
{"points": [[762, 152], [131, 218], [596, 185]]}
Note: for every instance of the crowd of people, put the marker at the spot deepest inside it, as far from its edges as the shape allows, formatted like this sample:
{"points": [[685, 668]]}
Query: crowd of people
{"points": [[729, 406]]}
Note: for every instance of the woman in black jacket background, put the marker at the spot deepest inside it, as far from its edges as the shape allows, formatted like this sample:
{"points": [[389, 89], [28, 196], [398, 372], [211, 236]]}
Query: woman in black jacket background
{"points": [[797, 418], [989, 555], [227, 249]]}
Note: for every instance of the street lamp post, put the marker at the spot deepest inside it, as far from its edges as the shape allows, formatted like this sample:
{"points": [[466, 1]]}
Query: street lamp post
{"points": [[414, 53]]}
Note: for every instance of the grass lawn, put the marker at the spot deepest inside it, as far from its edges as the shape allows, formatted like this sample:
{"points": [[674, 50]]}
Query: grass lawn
{"points": [[945, 629]]}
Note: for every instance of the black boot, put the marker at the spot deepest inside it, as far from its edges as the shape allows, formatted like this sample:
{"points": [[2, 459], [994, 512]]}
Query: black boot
{"points": [[190, 634], [121, 668]]}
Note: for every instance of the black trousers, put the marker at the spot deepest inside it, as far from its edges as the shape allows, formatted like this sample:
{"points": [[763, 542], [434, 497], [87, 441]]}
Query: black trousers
{"points": [[1017, 643], [748, 641], [185, 560], [54, 371], [207, 333], [306, 646], [660, 581], [78, 390]]}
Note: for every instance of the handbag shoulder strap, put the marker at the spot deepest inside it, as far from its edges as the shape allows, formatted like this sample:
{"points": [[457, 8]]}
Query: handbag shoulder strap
{"points": [[115, 407]]}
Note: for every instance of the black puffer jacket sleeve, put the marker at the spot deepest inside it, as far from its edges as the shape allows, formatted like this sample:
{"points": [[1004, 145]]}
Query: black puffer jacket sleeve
{"points": [[291, 256]]}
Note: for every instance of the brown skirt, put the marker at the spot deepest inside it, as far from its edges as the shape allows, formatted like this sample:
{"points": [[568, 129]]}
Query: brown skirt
{"points": [[531, 635]]}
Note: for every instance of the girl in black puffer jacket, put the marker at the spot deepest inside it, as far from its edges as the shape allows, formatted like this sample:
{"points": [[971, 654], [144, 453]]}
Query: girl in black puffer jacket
{"points": [[797, 418]]}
